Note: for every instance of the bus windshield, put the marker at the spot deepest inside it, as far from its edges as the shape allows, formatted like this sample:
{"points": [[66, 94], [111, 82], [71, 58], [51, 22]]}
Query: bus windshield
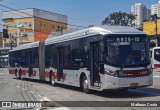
{"points": [[127, 50]]}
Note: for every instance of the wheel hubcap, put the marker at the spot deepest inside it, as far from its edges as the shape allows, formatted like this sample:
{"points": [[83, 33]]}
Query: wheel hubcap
{"points": [[52, 80], [85, 84]]}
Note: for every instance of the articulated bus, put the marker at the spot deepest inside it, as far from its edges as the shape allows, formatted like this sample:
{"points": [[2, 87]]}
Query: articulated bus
{"points": [[95, 58]]}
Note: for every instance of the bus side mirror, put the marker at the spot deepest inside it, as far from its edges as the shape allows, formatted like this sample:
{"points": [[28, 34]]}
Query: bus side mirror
{"points": [[101, 68]]}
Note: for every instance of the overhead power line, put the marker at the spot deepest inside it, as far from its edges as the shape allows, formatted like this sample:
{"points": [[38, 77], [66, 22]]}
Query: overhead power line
{"points": [[35, 16]]}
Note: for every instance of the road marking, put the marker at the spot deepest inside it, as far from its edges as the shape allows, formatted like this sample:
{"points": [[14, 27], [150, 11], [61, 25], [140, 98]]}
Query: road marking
{"points": [[146, 92], [156, 76], [17, 87], [24, 89], [39, 95], [31, 92], [44, 99], [11, 84], [58, 108], [61, 108]]}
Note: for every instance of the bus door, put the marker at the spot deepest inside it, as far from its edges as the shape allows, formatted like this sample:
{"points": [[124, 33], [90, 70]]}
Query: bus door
{"points": [[60, 63], [95, 77], [30, 64]]}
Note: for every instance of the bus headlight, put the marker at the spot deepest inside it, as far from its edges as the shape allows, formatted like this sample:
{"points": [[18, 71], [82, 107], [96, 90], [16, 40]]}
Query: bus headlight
{"points": [[111, 73]]}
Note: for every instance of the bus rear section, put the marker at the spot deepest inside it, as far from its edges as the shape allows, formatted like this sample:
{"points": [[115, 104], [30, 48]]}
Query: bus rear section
{"points": [[155, 58]]}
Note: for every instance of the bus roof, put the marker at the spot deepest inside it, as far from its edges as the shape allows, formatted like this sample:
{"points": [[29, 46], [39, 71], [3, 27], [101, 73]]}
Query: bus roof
{"points": [[26, 46], [94, 31], [84, 33]]}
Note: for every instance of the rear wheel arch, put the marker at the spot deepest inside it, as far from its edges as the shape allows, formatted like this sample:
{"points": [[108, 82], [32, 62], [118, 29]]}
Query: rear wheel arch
{"points": [[81, 78]]}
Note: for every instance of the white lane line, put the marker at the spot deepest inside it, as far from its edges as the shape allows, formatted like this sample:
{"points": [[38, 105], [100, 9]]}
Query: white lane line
{"points": [[44, 99], [156, 76], [145, 92], [61, 108], [31, 92], [24, 89], [17, 87], [39, 95]]}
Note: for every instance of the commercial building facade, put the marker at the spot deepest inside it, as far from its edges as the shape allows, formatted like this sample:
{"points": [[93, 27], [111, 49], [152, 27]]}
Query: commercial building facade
{"points": [[31, 25], [155, 9], [1, 40], [141, 14]]}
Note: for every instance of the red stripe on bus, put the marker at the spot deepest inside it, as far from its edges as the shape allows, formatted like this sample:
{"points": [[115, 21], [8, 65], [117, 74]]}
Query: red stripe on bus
{"points": [[11, 71], [47, 75], [55, 75], [34, 73], [24, 72], [156, 65], [133, 73]]}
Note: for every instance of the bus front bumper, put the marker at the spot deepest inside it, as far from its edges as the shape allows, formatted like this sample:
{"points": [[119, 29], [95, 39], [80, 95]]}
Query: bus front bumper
{"points": [[130, 82]]}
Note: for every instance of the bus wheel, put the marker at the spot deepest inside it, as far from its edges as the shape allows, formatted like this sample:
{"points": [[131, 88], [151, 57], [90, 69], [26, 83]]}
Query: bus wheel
{"points": [[52, 81], [20, 74], [85, 85], [16, 73]]}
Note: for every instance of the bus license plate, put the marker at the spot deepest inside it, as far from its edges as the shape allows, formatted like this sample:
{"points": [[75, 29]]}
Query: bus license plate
{"points": [[134, 84]]}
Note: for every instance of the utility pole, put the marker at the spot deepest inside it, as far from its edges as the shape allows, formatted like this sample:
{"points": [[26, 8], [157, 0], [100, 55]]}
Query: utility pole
{"points": [[156, 30], [18, 36]]}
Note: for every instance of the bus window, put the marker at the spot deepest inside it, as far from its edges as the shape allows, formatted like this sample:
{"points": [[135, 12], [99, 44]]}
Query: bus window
{"points": [[157, 54], [151, 54]]}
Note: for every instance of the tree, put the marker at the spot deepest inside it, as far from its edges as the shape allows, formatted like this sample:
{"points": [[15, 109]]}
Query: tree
{"points": [[154, 17], [119, 18]]}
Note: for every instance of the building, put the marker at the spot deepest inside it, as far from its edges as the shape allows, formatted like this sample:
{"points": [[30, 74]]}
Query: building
{"points": [[1, 40], [30, 25], [155, 9], [141, 14]]}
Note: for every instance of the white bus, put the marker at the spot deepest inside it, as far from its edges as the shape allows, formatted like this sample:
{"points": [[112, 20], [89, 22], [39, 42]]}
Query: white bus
{"points": [[155, 58], [96, 58]]}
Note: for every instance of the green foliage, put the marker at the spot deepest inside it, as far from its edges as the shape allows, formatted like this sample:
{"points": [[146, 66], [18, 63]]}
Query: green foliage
{"points": [[119, 18], [154, 17]]}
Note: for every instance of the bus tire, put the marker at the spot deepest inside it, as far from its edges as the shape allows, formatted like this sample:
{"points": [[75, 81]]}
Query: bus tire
{"points": [[16, 73], [85, 85], [20, 74], [52, 80]]}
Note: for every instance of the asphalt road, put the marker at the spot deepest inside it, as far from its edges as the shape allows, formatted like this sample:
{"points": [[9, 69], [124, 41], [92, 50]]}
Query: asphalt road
{"points": [[12, 89]]}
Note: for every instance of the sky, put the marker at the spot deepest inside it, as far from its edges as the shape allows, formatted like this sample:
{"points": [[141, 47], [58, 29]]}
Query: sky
{"points": [[79, 12]]}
